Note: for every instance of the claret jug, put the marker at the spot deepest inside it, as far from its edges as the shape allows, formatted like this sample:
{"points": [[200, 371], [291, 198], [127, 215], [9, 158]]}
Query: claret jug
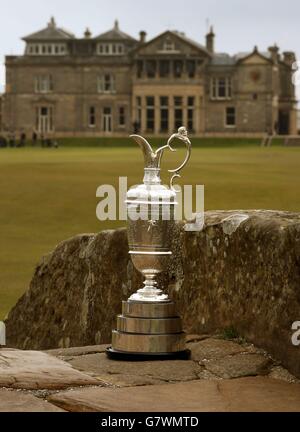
{"points": [[149, 325]]}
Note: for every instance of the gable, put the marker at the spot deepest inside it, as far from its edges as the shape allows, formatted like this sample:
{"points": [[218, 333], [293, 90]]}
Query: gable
{"points": [[171, 43], [255, 58]]}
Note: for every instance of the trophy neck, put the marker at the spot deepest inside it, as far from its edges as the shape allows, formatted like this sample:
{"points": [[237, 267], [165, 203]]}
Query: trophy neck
{"points": [[152, 176]]}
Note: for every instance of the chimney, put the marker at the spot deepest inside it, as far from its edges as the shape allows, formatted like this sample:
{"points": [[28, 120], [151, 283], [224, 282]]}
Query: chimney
{"points": [[52, 23], [289, 57], [143, 36], [274, 50], [210, 40], [87, 33]]}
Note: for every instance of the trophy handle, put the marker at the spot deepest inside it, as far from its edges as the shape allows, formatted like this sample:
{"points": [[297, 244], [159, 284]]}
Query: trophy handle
{"points": [[183, 136]]}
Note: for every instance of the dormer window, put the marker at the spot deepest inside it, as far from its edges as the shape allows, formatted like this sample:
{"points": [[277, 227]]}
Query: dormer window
{"points": [[110, 49], [46, 49]]}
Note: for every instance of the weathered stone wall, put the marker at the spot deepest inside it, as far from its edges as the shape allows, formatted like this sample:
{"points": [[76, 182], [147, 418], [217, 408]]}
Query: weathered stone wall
{"points": [[245, 275]]}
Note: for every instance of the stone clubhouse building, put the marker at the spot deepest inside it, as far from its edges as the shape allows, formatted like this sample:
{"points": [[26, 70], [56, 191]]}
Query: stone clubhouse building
{"points": [[113, 84]]}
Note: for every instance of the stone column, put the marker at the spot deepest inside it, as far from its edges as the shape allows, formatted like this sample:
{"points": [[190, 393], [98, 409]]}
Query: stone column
{"points": [[198, 114], [156, 115], [157, 70], [184, 110], [143, 117], [184, 70], [133, 109], [143, 73], [172, 69], [293, 122], [171, 114]]}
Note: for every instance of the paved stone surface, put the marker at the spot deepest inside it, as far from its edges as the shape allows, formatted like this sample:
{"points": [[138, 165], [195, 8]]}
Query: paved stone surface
{"points": [[37, 370], [128, 380], [278, 372], [213, 348], [126, 372], [207, 375], [245, 394], [201, 384], [196, 337], [240, 365], [16, 401], [77, 351]]}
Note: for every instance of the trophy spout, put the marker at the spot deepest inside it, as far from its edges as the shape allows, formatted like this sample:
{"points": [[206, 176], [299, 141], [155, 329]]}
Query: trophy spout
{"points": [[150, 158]]}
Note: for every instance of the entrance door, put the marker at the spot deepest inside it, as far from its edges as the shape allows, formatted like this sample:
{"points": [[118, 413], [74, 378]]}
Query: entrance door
{"points": [[283, 123], [107, 119], [44, 119]]}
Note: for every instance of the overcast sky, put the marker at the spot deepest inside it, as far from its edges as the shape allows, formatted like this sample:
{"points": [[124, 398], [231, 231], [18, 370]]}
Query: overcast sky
{"points": [[238, 24]]}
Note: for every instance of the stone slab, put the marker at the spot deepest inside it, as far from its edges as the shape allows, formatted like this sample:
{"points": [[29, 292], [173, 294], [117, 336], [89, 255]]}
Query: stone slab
{"points": [[280, 373], [240, 365], [213, 348], [37, 370], [242, 395], [149, 372], [16, 401], [77, 351], [127, 380]]}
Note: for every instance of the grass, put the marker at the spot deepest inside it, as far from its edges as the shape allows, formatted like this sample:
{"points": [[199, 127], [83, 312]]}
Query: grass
{"points": [[197, 142], [48, 195], [229, 333]]}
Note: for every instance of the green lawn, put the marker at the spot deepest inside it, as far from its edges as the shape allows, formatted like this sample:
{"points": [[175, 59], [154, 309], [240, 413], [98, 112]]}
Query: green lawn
{"points": [[48, 195]]}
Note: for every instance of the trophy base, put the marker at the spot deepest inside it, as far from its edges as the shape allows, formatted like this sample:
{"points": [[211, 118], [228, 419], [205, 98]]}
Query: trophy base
{"points": [[136, 356], [148, 331]]}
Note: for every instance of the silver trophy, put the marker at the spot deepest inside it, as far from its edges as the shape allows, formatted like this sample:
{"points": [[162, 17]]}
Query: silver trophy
{"points": [[149, 326]]}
